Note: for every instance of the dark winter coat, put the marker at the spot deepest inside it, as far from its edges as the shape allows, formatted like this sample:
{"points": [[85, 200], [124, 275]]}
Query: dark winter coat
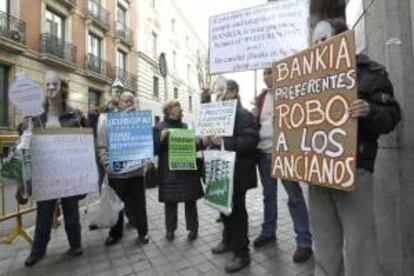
{"points": [[375, 88], [175, 186], [70, 118], [243, 142]]}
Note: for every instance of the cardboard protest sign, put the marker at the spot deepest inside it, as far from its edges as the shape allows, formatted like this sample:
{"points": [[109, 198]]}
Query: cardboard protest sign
{"points": [[315, 139], [219, 172], [63, 163], [217, 118], [130, 141], [253, 38], [27, 96], [181, 150]]}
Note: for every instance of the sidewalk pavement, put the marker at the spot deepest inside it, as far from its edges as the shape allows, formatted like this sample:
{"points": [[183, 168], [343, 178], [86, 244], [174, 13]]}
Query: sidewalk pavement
{"points": [[161, 257]]}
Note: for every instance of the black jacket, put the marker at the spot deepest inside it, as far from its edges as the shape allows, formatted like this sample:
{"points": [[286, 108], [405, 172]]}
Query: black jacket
{"points": [[243, 142], [375, 88], [175, 186], [70, 118]]}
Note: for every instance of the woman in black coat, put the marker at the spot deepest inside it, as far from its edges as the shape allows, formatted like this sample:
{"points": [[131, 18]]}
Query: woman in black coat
{"points": [[176, 186]]}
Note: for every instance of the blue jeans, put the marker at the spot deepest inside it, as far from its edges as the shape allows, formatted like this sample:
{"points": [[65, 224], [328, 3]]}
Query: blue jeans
{"points": [[296, 203]]}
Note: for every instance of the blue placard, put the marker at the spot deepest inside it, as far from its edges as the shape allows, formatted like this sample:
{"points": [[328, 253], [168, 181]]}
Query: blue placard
{"points": [[130, 141]]}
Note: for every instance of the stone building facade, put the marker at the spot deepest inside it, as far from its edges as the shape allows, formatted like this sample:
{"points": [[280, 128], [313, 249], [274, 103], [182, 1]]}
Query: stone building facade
{"points": [[162, 28], [89, 42]]}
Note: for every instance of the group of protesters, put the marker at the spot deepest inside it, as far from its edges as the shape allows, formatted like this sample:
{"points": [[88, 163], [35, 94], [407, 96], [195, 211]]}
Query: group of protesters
{"points": [[339, 227]]}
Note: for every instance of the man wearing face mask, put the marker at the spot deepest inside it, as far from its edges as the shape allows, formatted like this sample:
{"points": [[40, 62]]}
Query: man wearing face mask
{"points": [[129, 186], [58, 114], [342, 223], [243, 142], [296, 202]]}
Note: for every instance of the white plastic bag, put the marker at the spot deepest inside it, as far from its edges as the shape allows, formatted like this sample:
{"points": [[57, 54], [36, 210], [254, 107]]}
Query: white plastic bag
{"points": [[109, 207], [219, 176]]}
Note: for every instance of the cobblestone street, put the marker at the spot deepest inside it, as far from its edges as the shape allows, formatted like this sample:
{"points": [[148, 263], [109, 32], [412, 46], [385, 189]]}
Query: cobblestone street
{"points": [[161, 257]]}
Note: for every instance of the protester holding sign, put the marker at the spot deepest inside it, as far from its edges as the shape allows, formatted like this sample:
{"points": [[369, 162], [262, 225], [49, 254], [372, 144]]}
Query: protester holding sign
{"points": [[296, 201], [176, 185], [343, 222], [243, 142], [58, 114], [129, 184]]}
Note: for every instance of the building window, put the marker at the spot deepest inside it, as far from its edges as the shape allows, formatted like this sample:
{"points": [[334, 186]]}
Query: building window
{"points": [[121, 60], [5, 6], [156, 87], [188, 72], [174, 60], [4, 102], [94, 6], [94, 53], [190, 103], [173, 25], [94, 45], [121, 14], [154, 45], [55, 25], [94, 98], [175, 93]]}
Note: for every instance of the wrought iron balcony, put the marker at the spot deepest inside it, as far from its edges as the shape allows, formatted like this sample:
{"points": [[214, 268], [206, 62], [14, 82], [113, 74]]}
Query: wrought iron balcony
{"points": [[99, 66], [98, 13], [124, 33], [14, 30], [52, 46], [69, 3], [127, 78]]}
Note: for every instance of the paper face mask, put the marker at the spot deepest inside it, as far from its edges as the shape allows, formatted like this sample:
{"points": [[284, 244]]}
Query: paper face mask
{"points": [[53, 84], [322, 32]]}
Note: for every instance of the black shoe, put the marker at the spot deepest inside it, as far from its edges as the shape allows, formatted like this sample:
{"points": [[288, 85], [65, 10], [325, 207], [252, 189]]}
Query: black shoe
{"points": [[93, 227], [112, 240], [262, 240], [75, 251], [33, 259], [142, 239], [170, 235], [237, 264], [302, 254], [220, 248], [192, 236]]}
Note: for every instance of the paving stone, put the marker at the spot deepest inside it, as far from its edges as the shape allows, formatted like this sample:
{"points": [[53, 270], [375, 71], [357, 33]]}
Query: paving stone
{"points": [[161, 257]]}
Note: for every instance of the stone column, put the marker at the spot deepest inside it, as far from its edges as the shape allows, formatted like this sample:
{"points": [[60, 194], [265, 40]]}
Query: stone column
{"points": [[389, 41]]}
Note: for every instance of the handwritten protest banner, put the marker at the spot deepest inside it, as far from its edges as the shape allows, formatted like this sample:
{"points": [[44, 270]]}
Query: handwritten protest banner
{"points": [[315, 139], [217, 118], [253, 38], [182, 150], [130, 140], [27, 95], [63, 163]]}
